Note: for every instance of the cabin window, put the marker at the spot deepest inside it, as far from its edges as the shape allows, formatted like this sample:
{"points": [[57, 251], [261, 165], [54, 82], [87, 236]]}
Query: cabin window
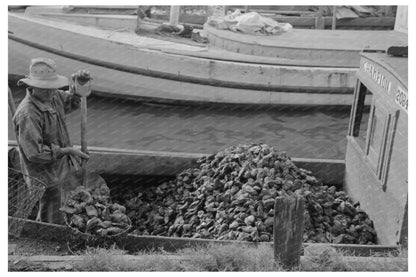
{"points": [[360, 115], [381, 138], [389, 138], [373, 131], [362, 134]]}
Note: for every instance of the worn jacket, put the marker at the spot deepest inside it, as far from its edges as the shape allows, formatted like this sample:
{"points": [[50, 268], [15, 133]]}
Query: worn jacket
{"points": [[41, 132]]}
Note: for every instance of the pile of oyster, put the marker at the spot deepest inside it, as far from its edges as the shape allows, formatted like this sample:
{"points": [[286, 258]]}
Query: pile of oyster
{"points": [[91, 212], [231, 197]]}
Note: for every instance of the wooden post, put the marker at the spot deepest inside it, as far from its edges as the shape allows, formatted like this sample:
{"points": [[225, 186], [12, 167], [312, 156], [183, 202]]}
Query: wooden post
{"points": [[140, 17], [319, 20], [174, 15], [288, 229], [138, 20], [334, 17]]}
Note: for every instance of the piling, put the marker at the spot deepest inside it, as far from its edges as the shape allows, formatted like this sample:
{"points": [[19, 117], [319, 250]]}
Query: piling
{"points": [[288, 229]]}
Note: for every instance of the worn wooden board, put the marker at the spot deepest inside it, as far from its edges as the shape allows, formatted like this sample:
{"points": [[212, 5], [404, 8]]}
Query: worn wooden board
{"points": [[288, 229], [361, 9], [358, 23], [344, 12], [59, 233]]}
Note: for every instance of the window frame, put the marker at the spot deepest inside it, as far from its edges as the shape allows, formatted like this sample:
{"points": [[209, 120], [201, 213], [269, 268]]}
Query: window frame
{"points": [[377, 159], [374, 156]]}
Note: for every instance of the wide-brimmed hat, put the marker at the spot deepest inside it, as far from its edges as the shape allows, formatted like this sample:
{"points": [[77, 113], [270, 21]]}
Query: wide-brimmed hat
{"points": [[42, 74]]}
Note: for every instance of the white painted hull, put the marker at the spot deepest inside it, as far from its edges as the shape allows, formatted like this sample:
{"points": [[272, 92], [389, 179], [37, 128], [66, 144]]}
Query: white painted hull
{"points": [[153, 74]]}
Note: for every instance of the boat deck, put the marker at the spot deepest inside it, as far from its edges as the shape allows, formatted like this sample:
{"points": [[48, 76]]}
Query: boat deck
{"points": [[341, 47], [227, 45], [321, 39]]}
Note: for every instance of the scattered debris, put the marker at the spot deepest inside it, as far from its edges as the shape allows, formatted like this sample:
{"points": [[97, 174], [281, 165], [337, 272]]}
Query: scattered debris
{"points": [[184, 30], [199, 36], [251, 22]]}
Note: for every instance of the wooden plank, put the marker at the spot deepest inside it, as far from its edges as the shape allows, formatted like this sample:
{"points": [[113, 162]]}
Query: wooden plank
{"points": [[295, 21], [288, 229], [361, 9], [307, 263], [134, 243], [343, 12], [351, 23], [366, 23], [276, 9], [293, 13]]}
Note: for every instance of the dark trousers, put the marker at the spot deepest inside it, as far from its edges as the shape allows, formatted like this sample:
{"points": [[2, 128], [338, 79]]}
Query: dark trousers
{"points": [[49, 206]]}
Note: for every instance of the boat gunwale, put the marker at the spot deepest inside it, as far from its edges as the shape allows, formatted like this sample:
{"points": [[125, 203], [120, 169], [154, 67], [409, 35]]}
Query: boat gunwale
{"points": [[217, 33], [196, 54], [180, 78]]}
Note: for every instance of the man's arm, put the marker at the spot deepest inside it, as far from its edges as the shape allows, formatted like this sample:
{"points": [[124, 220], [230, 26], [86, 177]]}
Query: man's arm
{"points": [[29, 137], [70, 99]]}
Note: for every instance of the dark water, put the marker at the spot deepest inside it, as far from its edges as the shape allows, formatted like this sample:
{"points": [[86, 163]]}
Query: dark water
{"points": [[308, 133]]}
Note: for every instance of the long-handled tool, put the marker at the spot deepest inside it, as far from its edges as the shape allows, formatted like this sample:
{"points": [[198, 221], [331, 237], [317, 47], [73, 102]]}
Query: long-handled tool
{"points": [[83, 88], [82, 83]]}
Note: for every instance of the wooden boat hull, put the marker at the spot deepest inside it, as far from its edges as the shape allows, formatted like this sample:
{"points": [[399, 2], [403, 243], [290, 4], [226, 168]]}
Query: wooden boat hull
{"points": [[123, 67], [110, 161]]}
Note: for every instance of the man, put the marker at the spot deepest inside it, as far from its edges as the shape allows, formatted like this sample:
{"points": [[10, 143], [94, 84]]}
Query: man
{"points": [[46, 152]]}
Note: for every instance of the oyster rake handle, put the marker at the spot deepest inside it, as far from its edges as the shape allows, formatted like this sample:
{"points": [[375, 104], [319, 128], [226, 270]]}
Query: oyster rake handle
{"points": [[83, 90]]}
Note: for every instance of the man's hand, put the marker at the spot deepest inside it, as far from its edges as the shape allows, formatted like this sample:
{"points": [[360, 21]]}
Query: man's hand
{"points": [[82, 76], [75, 152], [80, 80]]}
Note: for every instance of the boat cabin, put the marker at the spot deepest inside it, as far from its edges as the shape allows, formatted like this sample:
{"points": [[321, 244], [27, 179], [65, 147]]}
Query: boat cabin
{"points": [[377, 145]]}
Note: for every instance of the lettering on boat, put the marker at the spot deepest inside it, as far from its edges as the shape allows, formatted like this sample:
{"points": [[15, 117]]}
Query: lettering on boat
{"points": [[377, 76], [401, 98]]}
